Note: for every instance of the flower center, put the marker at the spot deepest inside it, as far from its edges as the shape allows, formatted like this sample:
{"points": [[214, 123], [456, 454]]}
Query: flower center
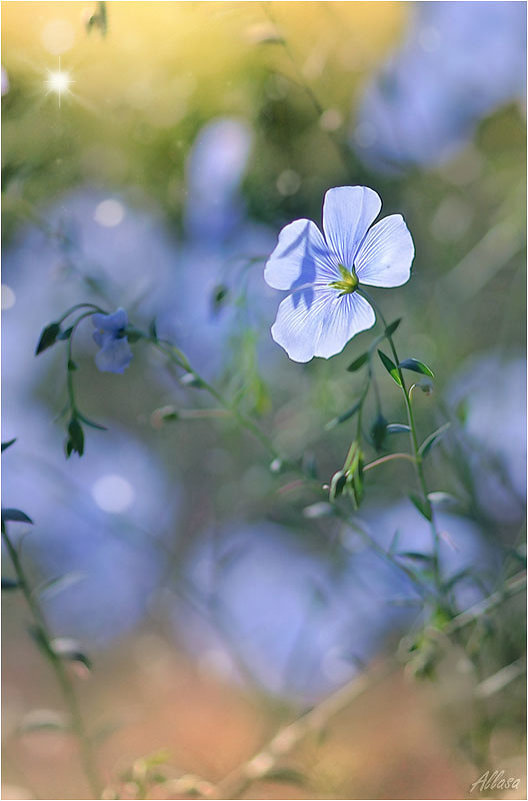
{"points": [[348, 283]]}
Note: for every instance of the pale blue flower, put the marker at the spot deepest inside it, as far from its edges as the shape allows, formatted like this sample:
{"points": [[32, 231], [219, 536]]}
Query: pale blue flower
{"points": [[115, 353], [324, 310], [458, 63]]}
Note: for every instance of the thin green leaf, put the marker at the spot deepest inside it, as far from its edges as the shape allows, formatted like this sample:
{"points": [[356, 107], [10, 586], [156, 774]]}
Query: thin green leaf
{"points": [[42, 720], [6, 445], [10, 584], [91, 423], [391, 328], [378, 431], [358, 363], [417, 366], [153, 331], [15, 516], [398, 428], [443, 499], [390, 367], [55, 585], [344, 417], [337, 484], [66, 334], [422, 507], [285, 775], [416, 555], [432, 440], [48, 337], [70, 649]]}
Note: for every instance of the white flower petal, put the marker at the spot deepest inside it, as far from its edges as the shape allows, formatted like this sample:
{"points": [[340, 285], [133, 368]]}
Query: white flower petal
{"points": [[386, 255], [300, 258], [348, 316], [348, 211], [319, 322]]}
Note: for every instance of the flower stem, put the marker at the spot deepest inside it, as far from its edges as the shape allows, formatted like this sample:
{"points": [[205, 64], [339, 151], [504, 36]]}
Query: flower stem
{"points": [[63, 679], [179, 359], [418, 461]]}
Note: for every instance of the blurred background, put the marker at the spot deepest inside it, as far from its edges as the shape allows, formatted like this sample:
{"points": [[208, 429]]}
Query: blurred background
{"points": [[151, 153]]}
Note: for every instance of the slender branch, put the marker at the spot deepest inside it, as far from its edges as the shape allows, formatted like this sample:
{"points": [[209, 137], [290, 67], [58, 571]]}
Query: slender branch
{"points": [[283, 742], [314, 720], [57, 664], [388, 458]]}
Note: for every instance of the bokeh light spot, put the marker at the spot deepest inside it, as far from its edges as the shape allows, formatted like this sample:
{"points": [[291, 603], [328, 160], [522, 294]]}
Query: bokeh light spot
{"points": [[288, 182], [58, 36], [113, 493], [109, 213], [8, 297]]}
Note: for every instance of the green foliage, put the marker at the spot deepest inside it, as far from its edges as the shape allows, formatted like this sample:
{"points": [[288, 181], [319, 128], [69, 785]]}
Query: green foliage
{"points": [[416, 366], [48, 337], [390, 367]]}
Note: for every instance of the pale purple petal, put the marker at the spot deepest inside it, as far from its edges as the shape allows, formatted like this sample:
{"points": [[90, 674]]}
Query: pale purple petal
{"points": [[347, 316], [114, 356], [348, 211], [386, 255], [319, 322], [111, 322], [300, 258]]}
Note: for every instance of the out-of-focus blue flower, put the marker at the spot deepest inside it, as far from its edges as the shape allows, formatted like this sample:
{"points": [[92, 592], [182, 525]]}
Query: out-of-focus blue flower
{"points": [[215, 167], [299, 619], [104, 524], [114, 355], [324, 310], [459, 62], [219, 245], [489, 393]]}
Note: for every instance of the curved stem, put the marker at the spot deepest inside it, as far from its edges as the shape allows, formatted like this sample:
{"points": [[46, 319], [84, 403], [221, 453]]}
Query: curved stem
{"points": [[180, 360], [69, 372], [414, 441], [63, 679]]}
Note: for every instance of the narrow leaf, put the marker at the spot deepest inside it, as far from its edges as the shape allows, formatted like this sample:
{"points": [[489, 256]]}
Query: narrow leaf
{"points": [[48, 337], [390, 367], [416, 555], [55, 585], [391, 328], [91, 423], [6, 445], [421, 506], [343, 417], [358, 363], [70, 649], [42, 720], [285, 775], [337, 484], [378, 431], [398, 428], [417, 367], [432, 440], [66, 334], [16, 516], [10, 584], [443, 499]]}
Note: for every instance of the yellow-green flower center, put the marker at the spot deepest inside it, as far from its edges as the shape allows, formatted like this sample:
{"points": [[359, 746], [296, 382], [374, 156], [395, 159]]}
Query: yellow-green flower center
{"points": [[348, 283]]}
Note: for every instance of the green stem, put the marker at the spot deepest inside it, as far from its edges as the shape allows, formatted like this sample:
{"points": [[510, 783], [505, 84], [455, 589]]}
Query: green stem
{"points": [[80, 306], [66, 686], [69, 373], [179, 359], [418, 461]]}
